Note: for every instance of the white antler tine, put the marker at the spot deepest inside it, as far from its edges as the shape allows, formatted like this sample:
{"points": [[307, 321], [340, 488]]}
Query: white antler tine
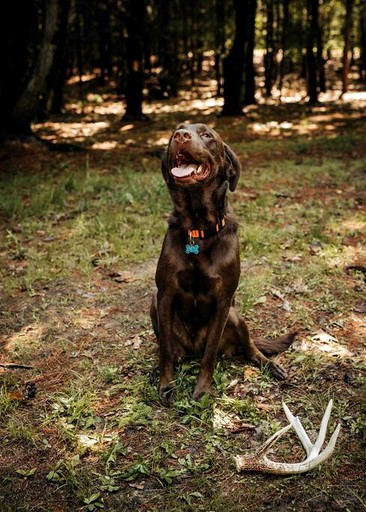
{"points": [[323, 429], [271, 441], [326, 453], [299, 429], [332, 441]]}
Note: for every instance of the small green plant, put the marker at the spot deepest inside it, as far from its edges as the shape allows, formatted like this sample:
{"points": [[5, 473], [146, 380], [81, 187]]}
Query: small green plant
{"points": [[134, 471], [94, 502], [26, 473], [66, 472], [74, 408]]}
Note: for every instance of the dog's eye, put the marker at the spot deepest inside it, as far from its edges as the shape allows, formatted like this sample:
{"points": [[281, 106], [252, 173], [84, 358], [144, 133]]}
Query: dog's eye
{"points": [[206, 135]]}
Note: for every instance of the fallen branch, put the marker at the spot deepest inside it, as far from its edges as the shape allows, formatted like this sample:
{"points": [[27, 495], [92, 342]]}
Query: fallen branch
{"points": [[15, 366]]}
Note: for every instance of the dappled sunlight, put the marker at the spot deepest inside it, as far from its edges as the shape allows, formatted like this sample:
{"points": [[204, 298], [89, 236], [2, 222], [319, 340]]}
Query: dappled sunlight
{"points": [[322, 342], [100, 123], [187, 105], [359, 96], [29, 336], [351, 225], [346, 341], [106, 145], [70, 130]]}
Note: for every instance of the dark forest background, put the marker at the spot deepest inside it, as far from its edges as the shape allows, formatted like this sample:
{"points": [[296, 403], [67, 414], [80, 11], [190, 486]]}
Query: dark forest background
{"points": [[149, 48]]}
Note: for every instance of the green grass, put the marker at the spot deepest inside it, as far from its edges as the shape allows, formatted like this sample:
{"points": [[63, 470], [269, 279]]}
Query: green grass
{"points": [[68, 224], [97, 433]]}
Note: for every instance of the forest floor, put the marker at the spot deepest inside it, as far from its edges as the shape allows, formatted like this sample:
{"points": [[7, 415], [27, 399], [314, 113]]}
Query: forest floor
{"points": [[83, 428]]}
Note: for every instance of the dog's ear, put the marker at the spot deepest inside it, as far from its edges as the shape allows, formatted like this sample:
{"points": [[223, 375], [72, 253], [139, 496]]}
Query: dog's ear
{"points": [[165, 167], [232, 167]]}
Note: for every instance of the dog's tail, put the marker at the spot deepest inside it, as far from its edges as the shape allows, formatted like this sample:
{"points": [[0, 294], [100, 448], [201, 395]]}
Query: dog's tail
{"points": [[276, 345]]}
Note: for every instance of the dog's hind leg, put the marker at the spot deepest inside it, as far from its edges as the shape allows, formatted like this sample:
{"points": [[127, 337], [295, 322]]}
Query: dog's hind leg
{"points": [[237, 335]]}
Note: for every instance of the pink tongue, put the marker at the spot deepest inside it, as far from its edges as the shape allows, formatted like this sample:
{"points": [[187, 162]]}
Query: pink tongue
{"points": [[181, 172]]}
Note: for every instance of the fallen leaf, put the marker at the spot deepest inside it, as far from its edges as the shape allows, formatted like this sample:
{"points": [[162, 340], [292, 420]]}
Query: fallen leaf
{"points": [[135, 342], [286, 305], [360, 308], [122, 277], [264, 407], [276, 293], [323, 336]]}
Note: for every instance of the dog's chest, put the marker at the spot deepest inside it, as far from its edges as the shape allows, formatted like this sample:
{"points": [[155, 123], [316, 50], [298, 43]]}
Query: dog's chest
{"points": [[194, 282], [197, 294]]}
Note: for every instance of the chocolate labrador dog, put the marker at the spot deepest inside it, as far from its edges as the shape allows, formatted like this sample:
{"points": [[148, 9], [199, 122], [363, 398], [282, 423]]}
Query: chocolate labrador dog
{"points": [[199, 266]]}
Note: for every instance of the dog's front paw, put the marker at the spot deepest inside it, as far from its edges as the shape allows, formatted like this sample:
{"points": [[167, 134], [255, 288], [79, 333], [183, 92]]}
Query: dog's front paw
{"points": [[200, 391], [166, 391], [277, 371]]}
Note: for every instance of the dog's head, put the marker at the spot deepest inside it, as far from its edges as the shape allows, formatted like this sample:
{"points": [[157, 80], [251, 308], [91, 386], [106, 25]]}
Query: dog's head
{"points": [[196, 155]]}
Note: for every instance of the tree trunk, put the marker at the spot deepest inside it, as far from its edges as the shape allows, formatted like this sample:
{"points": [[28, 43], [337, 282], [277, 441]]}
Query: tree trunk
{"points": [[54, 102], [15, 35], [168, 58], [219, 42], [321, 66], [249, 77], [104, 53], [238, 66], [283, 65], [311, 57], [135, 75], [269, 51], [346, 47], [28, 103], [233, 66], [363, 41]]}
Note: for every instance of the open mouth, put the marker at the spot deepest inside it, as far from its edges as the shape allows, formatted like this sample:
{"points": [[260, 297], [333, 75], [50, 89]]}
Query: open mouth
{"points": [[187, 168]]}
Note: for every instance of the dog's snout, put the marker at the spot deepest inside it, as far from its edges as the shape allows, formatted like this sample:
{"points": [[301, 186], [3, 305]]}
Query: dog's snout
{"points": [[182, 136]]}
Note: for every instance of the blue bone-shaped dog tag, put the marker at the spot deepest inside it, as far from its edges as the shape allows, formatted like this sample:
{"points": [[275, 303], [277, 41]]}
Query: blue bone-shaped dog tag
{"points": [[192, 249]]}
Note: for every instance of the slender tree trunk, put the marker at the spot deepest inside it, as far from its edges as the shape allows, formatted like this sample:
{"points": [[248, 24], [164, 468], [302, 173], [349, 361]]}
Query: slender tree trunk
{"points": [[219, 42], [168, 57], [233, 66], [239, 74], [31, 98], [311, 50], [249, 76], [284, 43], [346, 47], [363, 40], [269, 51], [55, 101], [15, 35], [104, 56], [135, 77]]}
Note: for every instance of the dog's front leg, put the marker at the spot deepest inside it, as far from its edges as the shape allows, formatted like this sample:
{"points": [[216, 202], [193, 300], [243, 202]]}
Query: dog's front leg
{"points": [[215, 330], [165, 311]]}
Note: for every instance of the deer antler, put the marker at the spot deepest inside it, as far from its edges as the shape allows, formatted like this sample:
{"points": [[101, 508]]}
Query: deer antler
{"points": [[259, 461]]}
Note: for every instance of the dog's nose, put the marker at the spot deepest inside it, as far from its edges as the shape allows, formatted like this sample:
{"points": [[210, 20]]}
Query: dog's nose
{"points": [[182, 136]]}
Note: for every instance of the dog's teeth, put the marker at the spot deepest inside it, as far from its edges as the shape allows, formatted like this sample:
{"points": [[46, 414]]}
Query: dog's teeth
{"points": [[199, 170]]}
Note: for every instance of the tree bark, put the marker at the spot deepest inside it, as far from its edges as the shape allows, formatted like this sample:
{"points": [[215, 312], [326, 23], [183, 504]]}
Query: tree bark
{"points": [[249, 76], [346, 47], [311, 51], [168, 58], [15, 35], [27, 105], [362, 40], [283, 65], [136, 16], [219, 42], [238, 66], [269, 51]]}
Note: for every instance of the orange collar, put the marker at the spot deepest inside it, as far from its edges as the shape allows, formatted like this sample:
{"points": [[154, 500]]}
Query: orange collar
{"points": [[202, 234]]}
